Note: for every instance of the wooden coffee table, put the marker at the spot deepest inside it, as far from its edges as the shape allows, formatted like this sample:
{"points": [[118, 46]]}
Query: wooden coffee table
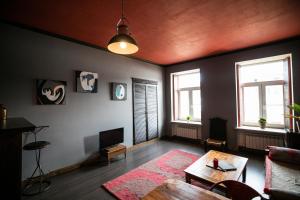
{"points": [[179, 190], [200, 172]]}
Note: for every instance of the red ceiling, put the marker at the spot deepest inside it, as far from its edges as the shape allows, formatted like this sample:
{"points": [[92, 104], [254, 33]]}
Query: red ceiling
{"points": [[167, 31]]}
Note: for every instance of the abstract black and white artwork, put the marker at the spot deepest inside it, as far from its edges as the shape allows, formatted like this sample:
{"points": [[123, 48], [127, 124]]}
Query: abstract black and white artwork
{"points": [[51, 92], [86, 82], [119, 91]]}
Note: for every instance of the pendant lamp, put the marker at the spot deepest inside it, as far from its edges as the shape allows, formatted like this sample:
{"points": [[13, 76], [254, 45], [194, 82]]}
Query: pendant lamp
{"points": [[122, 42]]}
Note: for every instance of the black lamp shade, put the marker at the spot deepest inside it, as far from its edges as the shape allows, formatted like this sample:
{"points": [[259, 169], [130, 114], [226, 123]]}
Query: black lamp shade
{"points": [[122, 44]]}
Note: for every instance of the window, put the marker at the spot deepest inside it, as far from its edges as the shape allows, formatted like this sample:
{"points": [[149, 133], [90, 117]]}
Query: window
{"points": [[264, 90], [186, 95]]}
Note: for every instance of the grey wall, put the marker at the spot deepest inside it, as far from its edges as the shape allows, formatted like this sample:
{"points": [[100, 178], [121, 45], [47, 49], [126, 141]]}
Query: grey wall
{"points": [[73, 133], [218, 82]]}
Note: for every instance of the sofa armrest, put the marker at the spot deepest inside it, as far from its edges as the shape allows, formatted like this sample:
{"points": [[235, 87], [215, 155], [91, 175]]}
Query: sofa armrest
{"points": [[268, 182], [283, 154], [276, 194]]}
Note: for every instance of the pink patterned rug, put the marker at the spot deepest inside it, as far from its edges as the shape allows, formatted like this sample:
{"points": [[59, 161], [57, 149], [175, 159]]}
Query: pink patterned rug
{"points": [[138, 182]]}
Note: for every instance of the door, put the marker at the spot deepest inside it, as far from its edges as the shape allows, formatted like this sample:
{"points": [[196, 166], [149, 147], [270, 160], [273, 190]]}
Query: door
{"points": [[145, 117], [151, 95], [140, 122]]}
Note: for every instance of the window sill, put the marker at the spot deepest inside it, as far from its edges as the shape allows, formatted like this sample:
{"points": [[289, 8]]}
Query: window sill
{"points": [[260, 130], [185, 122]]}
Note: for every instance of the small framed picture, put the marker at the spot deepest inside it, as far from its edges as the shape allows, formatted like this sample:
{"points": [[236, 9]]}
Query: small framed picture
{"points": [[119, 91], [86, 82], [50, 92]]}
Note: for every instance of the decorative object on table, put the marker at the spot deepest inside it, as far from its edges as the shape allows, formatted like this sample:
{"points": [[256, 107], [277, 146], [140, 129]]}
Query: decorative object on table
{"points": [[188, 118], [50, 92], [262, 122], [119, 91], [86, 82], [216, 163], [122, 42], [136, 183], [3, 112], [221, 165]]}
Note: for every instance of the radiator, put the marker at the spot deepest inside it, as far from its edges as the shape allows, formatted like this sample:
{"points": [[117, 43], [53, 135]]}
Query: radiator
{"points": [[186, 131], [260, 142]]}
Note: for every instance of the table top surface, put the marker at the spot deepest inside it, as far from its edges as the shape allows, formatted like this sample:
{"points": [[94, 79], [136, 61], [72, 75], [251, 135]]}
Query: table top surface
{"points": [[200, 170], [176, 189], [15, 125]]}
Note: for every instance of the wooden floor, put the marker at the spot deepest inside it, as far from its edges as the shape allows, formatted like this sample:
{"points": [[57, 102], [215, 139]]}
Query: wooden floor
{"points": [[85, 184]]}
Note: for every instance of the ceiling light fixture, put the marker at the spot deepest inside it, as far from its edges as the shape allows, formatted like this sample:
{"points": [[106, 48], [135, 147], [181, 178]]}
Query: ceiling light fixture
{"points": [[122, 42]]}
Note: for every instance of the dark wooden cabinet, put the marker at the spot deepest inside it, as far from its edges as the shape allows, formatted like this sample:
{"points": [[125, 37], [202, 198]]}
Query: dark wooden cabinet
{"points": [[11, 155], [145, 110], [292, 140]]}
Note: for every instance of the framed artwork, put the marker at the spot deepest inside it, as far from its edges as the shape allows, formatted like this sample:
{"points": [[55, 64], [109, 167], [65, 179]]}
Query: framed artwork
{"points": [[119, 91], [86, 82], [50, 92]]}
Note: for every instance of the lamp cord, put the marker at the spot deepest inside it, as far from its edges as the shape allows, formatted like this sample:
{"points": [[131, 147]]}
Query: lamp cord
{"points": [[123, 20], [122, 9]]}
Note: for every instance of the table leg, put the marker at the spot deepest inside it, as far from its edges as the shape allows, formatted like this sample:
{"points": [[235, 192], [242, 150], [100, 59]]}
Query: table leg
{"points": [[244, 174], [187, 179]]}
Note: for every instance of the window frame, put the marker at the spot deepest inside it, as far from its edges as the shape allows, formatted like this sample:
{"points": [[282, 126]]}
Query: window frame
{"points": [[191, 105], [262, 101], [175, 94], [262, 91]]}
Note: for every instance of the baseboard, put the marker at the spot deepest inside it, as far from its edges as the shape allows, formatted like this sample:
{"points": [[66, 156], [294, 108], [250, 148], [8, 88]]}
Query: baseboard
{"points": [[57, 172], [194, 141], [253, 151], [94, 158], [143, 144], [53, 173]]}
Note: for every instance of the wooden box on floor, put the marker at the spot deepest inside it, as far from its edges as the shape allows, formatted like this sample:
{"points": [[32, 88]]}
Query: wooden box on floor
{"points": [[111, 152]]}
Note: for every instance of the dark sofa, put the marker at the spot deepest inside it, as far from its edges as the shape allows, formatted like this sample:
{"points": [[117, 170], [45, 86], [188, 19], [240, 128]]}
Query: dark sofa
{"points": [[282, 173]]}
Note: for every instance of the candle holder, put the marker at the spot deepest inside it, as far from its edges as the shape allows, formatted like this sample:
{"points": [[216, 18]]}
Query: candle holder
{"points": [[216, 163]]}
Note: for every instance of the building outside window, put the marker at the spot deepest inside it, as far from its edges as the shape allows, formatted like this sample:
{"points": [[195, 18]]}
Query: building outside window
{"points": [[186, 95], [264, 89]]}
